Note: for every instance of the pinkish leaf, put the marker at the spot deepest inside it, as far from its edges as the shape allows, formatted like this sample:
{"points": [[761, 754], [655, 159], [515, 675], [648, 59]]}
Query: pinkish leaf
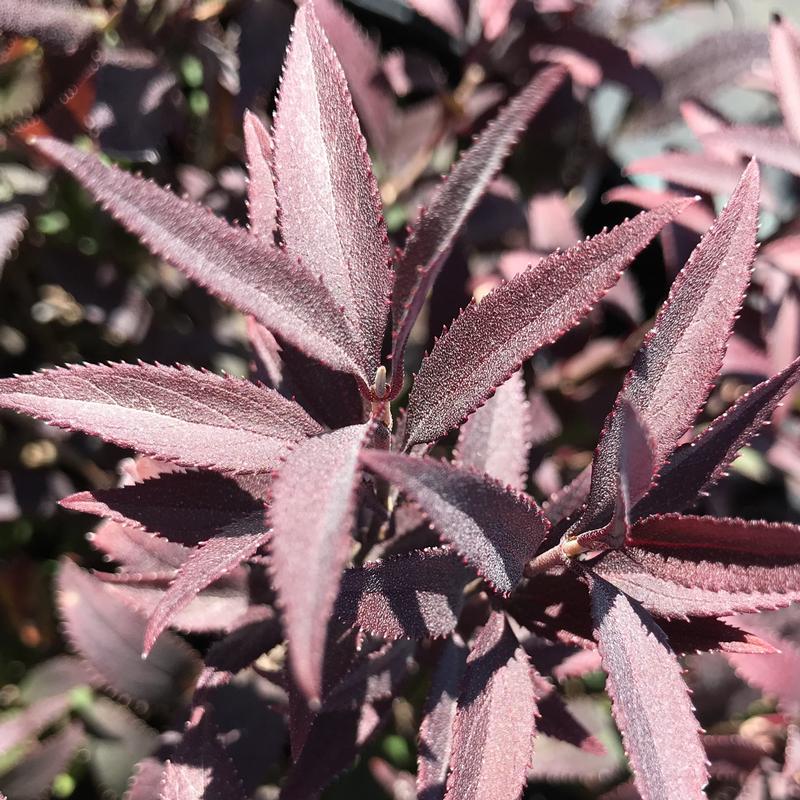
{"points": [[312, 515], [12, 225], [495, 722], [497, 530], [136, 551], [109, 635], [200, 768], [490, 340], [261, 202], [227, 261], [436, 729], [329, 207], [193, 418], [266, 365], [672, 374], [184, 507], [23, 726], [697, 218], [556, 721], [771, 146], [496, 438], [784, 52], [209, 562], [566, 501], [456, 197], [415, 596], [444, 13], [697, 465], [649, 699]]}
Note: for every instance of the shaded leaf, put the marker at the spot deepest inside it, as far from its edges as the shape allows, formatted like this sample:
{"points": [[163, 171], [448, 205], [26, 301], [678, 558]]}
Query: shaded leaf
{"points": [[495, 722], [497, 530], [322, 169], [231, 264], [313, 512], [490, 340], [649, 698], [261, 202], [178, 414]]}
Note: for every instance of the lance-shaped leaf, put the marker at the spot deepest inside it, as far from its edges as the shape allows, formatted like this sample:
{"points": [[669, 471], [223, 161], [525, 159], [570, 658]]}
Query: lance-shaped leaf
{"points": [[681, 565], [209, 562], [784, 52], [261, 202], [436, 729], [496, 438], [329, 206], [697, 218], [489, 341], [697, 465], [495, 722], [457, 196], [312, 516], [412, 596], [673, 371], [178, 414], [109, 635], [184, 507], [649, 698], [771, 146], [200, 768], [227, 261], [495, 529], [137, 551]]}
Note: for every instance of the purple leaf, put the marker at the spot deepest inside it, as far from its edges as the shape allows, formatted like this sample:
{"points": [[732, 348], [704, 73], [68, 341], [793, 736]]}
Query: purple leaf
{"points": [[227, 261], [456, 197], [496, 438], [324, 177], [709, 635], [414, 596], [697, 218], [649, 699], [261, 201], [184, 507], [497, 530], [566, 501], [673, 371], [557, 722], [771, 146], [495, 722], [209, 562], [200, 768], [784, 52], [490, 340], [136, 551], [312, 515], [436, 729], [697, 465], [178, 414], [109, 636]]}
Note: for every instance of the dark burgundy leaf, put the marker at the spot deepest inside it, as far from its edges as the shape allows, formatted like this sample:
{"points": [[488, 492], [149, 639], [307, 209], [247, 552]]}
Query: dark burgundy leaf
{"points": [[697, 465], [261, 202], [673, 371], [322, 170], [649, 698], [495, 722], [457, 196], [490, 340], [497, 530], [109, 635], [436, 729], [412, 596], [496, 438], [178, 414], [708, 635], [312, 515], [237, 267]]}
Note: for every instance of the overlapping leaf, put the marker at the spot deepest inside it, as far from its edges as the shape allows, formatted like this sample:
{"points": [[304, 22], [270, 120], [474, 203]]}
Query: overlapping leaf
{"points": [[495, 529], [490, 340], [178, 414], [261, 201]]}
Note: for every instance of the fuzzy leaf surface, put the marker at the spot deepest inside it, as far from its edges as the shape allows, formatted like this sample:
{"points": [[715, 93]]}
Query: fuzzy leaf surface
{"points": [[412, 596], [495, 529], [496, 438], [672, 374], [261, 202], [649, 698], [329, 206], [495, 722], [312, 516], [193, 418], [235, 266], [456, 197], [697, 465], [489, 341]]}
